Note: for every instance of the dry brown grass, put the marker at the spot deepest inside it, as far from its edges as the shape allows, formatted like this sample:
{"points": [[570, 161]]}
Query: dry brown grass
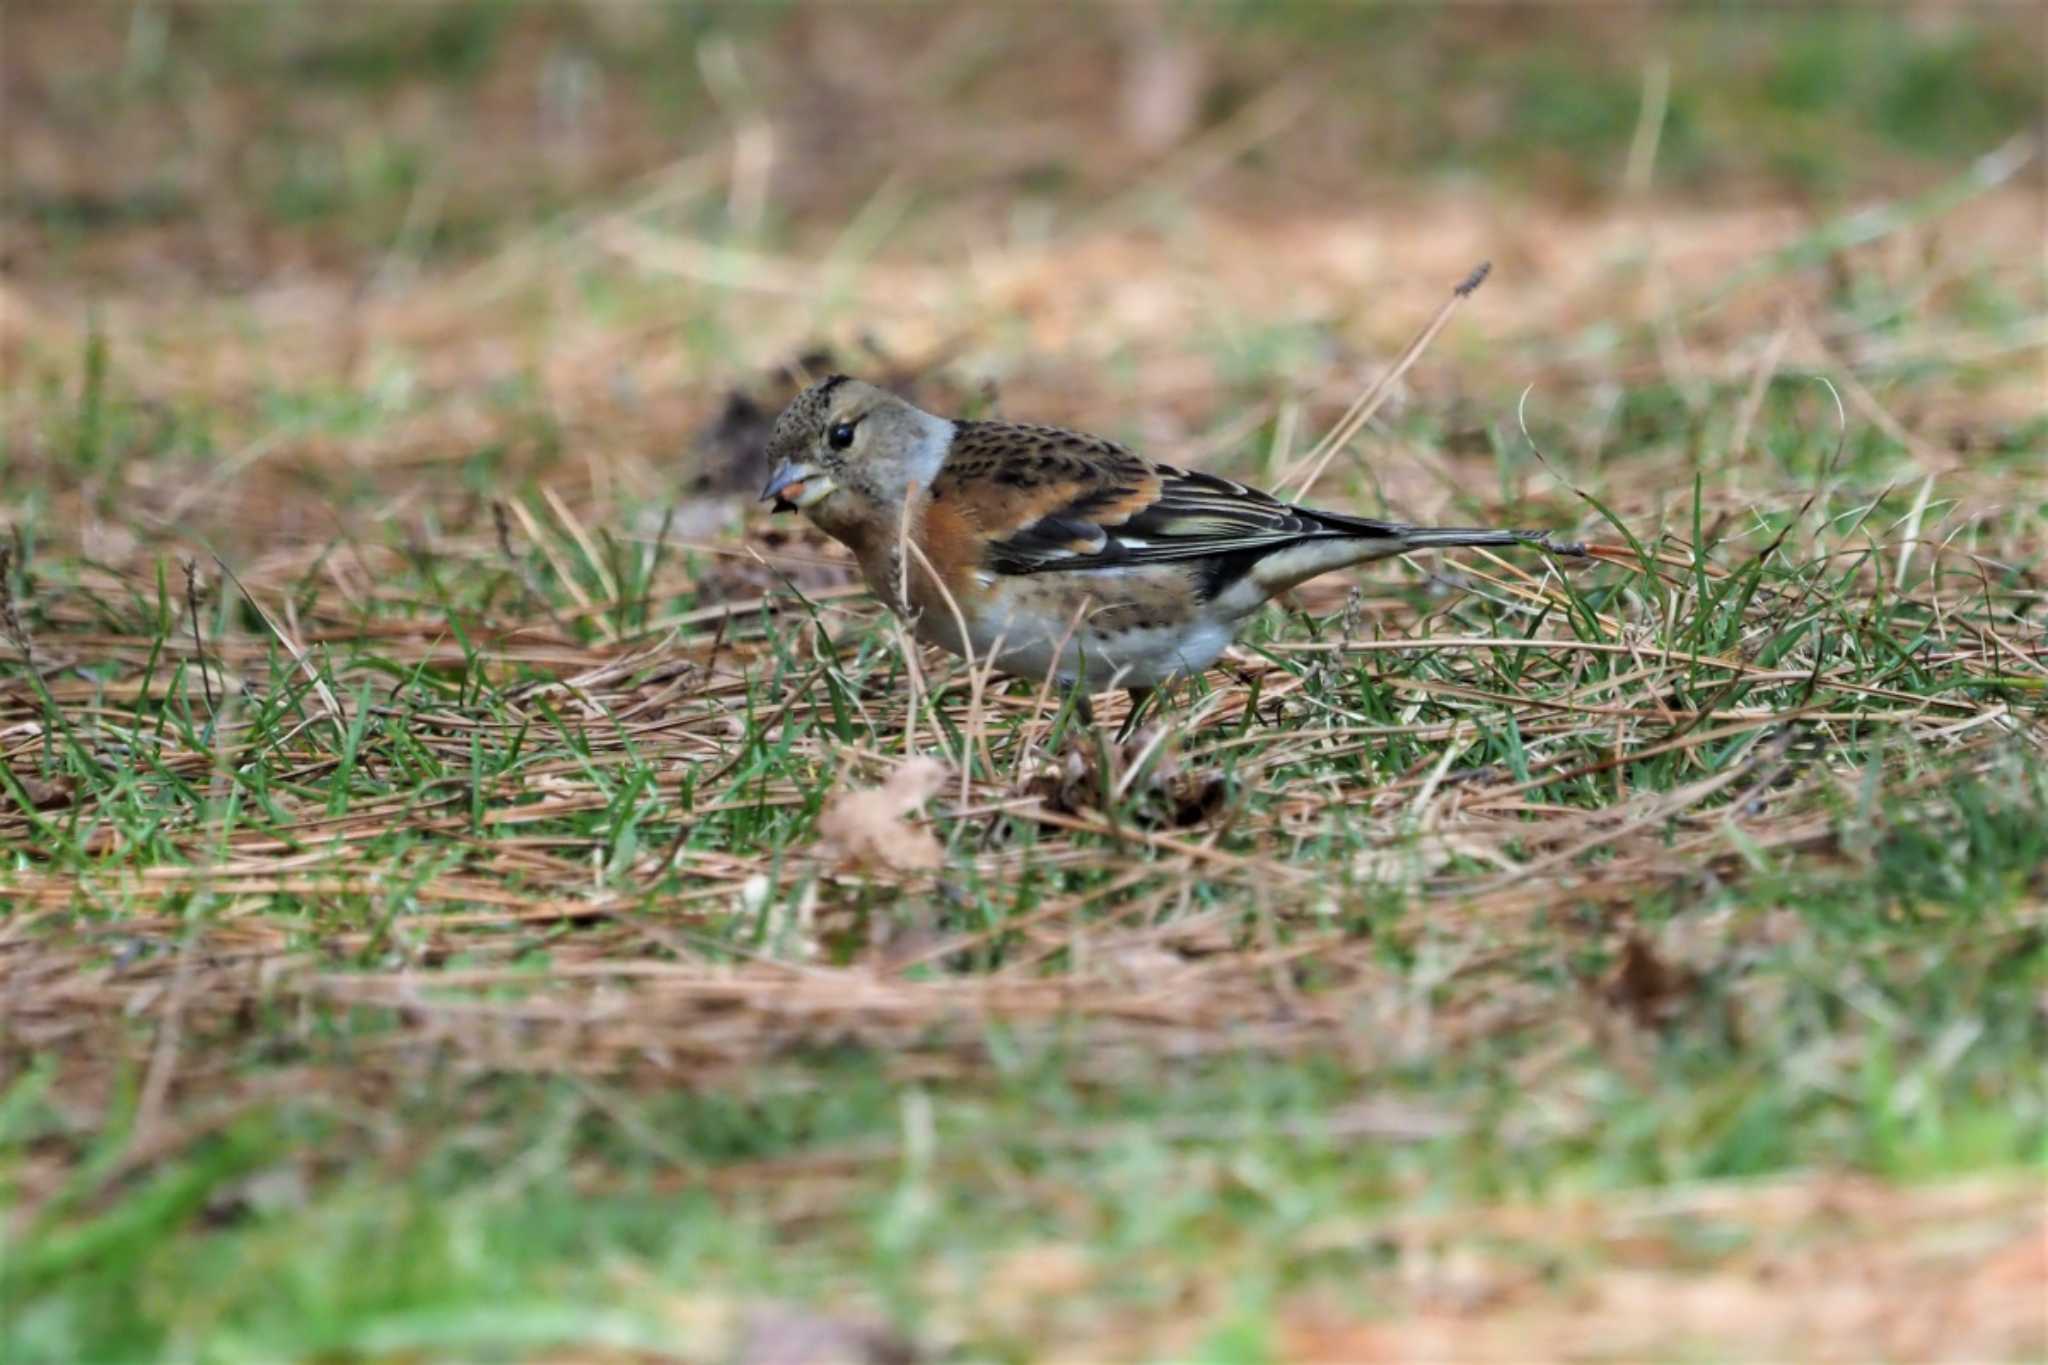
{"points": [[174, 928]]}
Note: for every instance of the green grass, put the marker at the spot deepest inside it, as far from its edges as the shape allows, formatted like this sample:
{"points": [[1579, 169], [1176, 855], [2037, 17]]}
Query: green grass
{"points": [[1865, 1001], [1912, 981], [414, 935]]}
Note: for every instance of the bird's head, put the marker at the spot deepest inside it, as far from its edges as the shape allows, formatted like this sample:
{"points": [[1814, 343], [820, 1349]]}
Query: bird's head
{"points": [[844, 453]]}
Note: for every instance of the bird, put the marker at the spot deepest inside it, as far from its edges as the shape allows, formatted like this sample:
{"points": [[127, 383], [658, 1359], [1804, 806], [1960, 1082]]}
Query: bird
{"points": [[1048, 553]]}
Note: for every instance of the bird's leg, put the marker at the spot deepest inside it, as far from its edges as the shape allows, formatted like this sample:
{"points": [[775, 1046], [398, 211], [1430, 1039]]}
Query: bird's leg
{"points": [[1140, 697], [1083, 707]]}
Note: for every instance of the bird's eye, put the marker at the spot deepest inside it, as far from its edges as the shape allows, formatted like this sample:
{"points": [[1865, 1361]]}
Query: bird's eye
{"points": [[841, 435]]}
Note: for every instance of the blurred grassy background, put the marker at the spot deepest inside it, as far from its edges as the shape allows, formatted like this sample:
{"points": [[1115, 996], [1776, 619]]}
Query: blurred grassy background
{"points": [[605, 215], [444, 326], [255, 137]]}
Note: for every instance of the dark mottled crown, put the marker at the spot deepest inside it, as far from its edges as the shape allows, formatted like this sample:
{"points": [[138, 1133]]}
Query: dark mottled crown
{"points": [[798, 426]]}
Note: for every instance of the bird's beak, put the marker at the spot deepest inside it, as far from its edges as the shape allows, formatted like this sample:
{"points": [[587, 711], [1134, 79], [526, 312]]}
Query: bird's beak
{"points": [[795, 485]]}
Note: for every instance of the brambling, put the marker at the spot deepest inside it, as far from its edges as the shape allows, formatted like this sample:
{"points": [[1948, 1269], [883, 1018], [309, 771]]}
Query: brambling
{"points": [[1049, 552]]}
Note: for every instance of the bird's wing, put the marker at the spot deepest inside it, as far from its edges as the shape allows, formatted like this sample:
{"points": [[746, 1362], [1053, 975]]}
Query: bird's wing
{"points": [[1047, 500]]}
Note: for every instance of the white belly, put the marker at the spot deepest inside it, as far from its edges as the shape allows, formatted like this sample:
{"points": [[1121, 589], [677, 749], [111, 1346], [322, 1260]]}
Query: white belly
{"points": [[1141, 658], [1041, 628]]}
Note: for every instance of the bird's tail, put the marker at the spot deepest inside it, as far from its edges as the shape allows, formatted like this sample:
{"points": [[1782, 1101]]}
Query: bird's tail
{"points": [[1450, 537], [1444, 537]]}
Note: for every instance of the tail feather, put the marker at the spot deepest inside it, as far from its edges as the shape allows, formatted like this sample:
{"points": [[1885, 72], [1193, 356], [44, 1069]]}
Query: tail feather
{"points": [[1438, 537], [1270, 570], [1429, 537]]}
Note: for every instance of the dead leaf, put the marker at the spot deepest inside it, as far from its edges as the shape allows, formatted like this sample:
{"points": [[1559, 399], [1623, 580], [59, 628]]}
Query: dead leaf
{"points": [[869, 827], [48, 793]]}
